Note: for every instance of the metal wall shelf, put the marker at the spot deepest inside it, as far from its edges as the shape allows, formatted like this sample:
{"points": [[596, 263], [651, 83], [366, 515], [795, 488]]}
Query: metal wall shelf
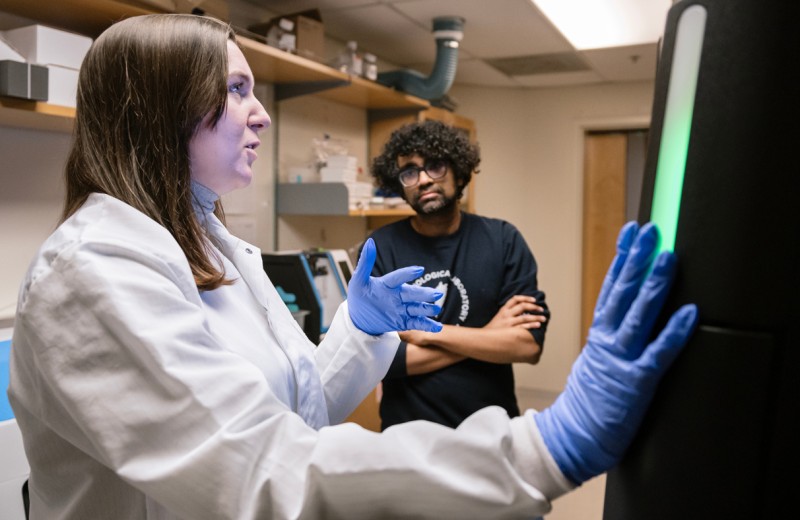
{"points": [[326, 199]]}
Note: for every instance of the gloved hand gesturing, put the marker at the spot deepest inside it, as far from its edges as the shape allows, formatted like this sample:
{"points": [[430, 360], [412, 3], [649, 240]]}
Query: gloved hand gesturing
{"points": [[384, 304], [591, 424]]}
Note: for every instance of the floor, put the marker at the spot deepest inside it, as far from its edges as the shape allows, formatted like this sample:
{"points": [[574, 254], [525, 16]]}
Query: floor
{"points": [[585, 503]]}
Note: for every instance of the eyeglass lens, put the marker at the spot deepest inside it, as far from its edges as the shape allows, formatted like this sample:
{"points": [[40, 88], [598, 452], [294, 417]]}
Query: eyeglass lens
{"points": [[409, 175]]}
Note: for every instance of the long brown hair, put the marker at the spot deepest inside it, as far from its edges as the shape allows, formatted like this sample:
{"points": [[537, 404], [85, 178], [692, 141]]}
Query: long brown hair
{"points": [[144, 88]]}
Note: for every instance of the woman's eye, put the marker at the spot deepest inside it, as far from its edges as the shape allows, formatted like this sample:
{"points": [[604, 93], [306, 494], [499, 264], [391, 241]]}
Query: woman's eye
{"points": [[236, 88]]}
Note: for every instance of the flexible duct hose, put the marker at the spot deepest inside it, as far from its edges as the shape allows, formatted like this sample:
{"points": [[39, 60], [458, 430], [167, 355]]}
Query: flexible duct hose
{"points": [[448, 31]]}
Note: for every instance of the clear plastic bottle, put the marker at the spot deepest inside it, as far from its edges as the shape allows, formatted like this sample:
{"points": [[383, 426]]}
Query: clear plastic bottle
{"points": [[370, 66], [350, 60]]}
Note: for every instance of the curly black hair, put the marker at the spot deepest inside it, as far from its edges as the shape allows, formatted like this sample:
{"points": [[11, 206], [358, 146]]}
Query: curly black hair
{"points": [[431, 140]]}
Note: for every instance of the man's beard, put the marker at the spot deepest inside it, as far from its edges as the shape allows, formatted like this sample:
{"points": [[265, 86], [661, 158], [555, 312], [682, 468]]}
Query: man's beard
{"points": [[440, 205]]}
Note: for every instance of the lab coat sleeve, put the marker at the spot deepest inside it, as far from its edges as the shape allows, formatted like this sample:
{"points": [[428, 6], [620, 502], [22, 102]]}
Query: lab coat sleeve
{"points": [[489, 467], [351, 363]]}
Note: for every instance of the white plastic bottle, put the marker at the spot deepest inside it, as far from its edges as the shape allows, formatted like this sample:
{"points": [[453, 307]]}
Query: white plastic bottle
{"points": [[370, 66], [350, 60], [282, 36]]}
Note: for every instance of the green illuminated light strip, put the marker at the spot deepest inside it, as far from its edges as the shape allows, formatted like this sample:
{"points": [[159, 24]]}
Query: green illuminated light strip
{"points": [[677, 124]]}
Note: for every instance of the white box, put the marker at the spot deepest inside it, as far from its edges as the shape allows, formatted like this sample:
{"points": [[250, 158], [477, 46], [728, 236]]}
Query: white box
{"points": [[328, 174], [62, 86], [8, 53], [361, 190], [47, 46], [342, 161]]}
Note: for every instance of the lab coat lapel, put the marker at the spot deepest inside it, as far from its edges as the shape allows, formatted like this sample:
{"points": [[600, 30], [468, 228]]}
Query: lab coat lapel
{"points": [[311, 405]]}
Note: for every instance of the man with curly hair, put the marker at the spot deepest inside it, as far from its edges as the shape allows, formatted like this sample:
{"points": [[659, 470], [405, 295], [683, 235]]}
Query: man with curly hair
{"points": [[492, 309]]}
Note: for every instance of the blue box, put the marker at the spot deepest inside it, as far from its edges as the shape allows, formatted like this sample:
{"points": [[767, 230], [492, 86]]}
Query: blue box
{"points": [[5, 408]]}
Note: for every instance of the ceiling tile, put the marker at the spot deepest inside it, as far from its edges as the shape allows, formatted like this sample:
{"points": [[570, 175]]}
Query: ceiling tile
{"points": [[493, 29], [633, 63], [556, 80], [478, 72]]}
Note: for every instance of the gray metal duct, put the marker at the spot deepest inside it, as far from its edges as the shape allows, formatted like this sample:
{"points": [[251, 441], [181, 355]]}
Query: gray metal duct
{"points": [[448, 31]]}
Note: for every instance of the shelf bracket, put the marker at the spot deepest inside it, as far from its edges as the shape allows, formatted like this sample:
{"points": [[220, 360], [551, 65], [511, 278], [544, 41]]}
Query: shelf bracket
{"points": [[290, 90]]}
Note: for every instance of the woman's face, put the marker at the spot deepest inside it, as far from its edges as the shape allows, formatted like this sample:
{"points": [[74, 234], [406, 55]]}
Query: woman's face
{"points": [[221, 158]]}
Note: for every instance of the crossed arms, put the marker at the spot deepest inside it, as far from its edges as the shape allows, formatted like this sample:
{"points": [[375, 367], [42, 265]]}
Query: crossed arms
{"points": [[505, 339]]}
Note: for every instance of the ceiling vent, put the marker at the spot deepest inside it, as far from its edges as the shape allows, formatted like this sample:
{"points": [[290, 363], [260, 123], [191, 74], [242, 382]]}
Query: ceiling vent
{"points": [[539, 64], [448, 31]]}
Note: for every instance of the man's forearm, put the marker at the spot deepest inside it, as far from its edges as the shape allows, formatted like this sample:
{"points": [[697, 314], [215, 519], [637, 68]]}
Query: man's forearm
{"points": [[421, 360], [494, 345]]}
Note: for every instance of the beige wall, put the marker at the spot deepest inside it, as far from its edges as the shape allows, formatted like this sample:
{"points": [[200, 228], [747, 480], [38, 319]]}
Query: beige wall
{"points": [[301, 120], [532, 153], [31, 190]]}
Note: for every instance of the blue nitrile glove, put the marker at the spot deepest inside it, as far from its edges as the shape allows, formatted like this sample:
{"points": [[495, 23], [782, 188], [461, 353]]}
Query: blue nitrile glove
{"points": [[384, 304], [612, 382]]}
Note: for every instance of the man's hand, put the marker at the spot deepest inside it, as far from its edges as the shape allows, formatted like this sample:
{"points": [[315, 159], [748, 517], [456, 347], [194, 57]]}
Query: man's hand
{"points": [[516, 313]]}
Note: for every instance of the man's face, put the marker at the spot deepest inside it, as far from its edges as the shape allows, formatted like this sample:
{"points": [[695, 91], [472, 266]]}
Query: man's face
{"points": [[430, 194]]}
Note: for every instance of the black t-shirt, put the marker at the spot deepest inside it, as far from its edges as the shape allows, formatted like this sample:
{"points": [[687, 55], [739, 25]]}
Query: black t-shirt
{"points": [[478, 268]]}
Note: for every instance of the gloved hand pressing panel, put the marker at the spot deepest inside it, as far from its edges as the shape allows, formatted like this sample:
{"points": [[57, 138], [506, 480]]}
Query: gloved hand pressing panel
{"points": [[590, 425], [388, 303]]}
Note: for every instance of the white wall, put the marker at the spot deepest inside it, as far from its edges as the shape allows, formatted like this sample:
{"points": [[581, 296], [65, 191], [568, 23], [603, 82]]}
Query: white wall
{"points": [[531, 175]]}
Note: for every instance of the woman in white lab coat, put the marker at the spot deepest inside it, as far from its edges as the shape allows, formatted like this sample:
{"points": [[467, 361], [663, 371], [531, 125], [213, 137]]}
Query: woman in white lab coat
{"points": [[157, 374]]}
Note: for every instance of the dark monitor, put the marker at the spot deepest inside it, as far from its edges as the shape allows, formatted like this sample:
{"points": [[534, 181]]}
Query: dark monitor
{"points": [[292, 273], [721, 180], [345, 267]]}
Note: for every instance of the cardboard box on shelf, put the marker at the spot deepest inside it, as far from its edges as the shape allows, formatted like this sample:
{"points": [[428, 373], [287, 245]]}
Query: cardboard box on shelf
{"points": [[308, 30], [23, 80], [44, 45]]}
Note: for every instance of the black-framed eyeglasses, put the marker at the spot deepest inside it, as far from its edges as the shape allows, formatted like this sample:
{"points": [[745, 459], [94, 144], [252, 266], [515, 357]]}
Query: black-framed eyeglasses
{"points": [[409, 174]]}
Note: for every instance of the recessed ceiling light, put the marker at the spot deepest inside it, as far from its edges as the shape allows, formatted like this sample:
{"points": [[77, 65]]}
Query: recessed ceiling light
{"points": [[594, 24]]}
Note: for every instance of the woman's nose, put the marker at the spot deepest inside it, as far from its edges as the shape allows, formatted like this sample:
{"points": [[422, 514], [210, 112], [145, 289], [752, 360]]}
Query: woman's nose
{"points": [[260, 120]]}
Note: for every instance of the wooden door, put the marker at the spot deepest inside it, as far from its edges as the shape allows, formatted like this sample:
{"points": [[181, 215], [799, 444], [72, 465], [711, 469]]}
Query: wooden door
{"points": [[613, 171]]}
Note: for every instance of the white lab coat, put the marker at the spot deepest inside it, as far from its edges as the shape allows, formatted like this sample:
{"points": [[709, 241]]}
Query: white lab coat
{"points": [[134, 401]]}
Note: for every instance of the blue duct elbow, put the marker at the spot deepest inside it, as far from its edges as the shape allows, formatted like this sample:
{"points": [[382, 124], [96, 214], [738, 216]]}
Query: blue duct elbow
{"points": [[448, 32]]}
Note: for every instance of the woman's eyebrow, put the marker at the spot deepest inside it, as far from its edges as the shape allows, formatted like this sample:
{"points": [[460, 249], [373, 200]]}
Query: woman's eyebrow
{"points": [[240, 74]]}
